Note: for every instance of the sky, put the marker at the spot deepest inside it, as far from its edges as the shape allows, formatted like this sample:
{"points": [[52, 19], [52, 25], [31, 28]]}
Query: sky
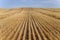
{"points": [[30, 3]]}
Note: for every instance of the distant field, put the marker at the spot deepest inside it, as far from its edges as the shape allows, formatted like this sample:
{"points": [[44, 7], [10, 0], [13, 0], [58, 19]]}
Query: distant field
{"points": [[30, 24]]}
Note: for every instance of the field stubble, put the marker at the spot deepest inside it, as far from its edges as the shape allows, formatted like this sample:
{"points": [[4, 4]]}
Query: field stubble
{"points": [[30, 24]]}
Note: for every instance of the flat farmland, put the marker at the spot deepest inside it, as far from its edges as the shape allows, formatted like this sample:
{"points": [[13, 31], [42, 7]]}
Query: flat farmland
{"points": [[30, 24]]}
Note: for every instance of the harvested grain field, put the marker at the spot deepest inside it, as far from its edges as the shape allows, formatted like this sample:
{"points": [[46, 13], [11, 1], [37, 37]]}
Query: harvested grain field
{"points": [[30, 24]]}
